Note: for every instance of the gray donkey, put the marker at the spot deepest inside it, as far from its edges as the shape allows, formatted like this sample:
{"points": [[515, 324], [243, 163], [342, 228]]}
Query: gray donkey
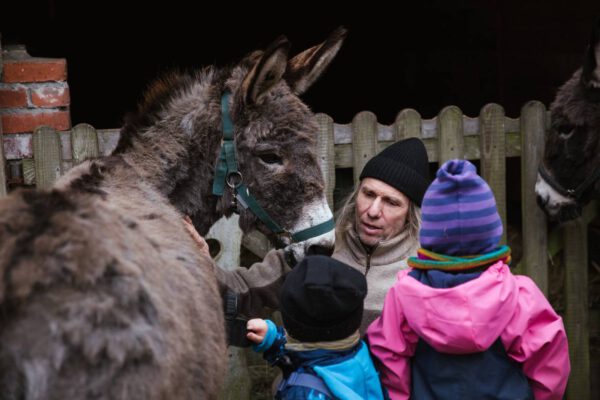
{"points": [[103, 294], [570, 173]]}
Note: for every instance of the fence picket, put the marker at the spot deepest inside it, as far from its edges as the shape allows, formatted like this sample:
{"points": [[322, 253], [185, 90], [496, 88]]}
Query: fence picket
{"points": [[84, 143], [407, 124], [450, 134], [325, 147], [46, 152], [535, 236], [364, 141], [492, 145], [576, 307], [3, 176], [28, 171]]}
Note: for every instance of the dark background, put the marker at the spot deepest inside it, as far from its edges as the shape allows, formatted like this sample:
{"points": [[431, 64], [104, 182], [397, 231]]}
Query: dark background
{"points": [[424, 56]]}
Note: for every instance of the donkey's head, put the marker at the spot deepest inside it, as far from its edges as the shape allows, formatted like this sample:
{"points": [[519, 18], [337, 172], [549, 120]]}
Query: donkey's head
{"points": [[570, 173], [239, 139], [275, 137]]}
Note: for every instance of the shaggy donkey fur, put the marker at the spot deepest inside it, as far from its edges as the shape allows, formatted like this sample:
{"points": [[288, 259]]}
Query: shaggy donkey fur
{"points": [[103, 294], [572, 149]]}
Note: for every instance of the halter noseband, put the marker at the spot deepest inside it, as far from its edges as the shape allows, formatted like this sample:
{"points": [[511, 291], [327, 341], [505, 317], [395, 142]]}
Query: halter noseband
{"points": [[576, 193], [227, 173]]}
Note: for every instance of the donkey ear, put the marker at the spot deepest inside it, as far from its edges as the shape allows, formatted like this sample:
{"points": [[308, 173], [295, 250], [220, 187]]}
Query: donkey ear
{"points": [[267, 71], [305, 68], [591, 63]]}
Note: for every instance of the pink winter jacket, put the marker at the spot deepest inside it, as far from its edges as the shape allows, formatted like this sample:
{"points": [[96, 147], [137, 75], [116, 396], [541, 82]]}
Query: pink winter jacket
{"points": [[469, 318]]}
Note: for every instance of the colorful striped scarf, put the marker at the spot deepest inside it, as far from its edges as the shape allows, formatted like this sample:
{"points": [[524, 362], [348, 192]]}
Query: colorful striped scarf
{"points": [[427, 259]]}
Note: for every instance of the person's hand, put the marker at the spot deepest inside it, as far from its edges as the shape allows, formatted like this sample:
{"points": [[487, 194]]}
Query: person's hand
{"points": [[257, 330], [199, 240]]}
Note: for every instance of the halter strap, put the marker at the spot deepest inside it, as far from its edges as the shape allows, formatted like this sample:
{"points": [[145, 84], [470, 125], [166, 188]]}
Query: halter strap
{"points": [[227, 168], [572, 193], [226, 163]]}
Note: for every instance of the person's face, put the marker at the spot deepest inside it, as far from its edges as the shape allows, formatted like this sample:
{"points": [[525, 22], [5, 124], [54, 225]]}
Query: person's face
{"points": [[381, 211]]}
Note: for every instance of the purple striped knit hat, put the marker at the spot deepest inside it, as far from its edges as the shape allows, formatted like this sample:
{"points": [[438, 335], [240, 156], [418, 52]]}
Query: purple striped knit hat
{"points": [[459, 212]]}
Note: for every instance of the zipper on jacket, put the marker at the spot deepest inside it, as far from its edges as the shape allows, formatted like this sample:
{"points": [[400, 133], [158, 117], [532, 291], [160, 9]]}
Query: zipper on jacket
{"points": [[369, 251], [368, 262]]}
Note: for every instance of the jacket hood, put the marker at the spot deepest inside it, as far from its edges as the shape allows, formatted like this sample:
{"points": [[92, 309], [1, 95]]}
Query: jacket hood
{"points": [[462, 319], [352, 379]]}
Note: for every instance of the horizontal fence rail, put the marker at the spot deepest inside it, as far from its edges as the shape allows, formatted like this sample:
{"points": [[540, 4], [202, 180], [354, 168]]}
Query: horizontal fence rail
{"points": [[491, 138]]}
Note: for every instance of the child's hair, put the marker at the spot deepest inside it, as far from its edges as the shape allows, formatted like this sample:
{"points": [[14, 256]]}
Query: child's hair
{"points": [[459, 214], [322, 300]]}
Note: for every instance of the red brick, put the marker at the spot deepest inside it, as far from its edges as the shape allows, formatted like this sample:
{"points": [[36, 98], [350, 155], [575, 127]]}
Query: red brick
{"points": [[13, 98], [50, 96], [27, 122], [35, 70]]}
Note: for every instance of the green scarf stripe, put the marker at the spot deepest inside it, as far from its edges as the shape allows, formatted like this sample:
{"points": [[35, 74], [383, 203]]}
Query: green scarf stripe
{"points": [[452, 263]]}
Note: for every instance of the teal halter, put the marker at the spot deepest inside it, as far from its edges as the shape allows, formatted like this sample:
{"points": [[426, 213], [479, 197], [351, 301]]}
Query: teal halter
{"points": [[227, 173]]}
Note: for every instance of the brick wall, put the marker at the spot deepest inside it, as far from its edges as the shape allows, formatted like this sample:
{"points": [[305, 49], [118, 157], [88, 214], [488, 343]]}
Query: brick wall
{"points": [[33, 92]]}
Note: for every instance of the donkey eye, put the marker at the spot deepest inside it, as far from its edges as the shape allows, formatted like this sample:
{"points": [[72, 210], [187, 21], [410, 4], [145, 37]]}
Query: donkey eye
{"points": [[565, 131], [270, 158]]}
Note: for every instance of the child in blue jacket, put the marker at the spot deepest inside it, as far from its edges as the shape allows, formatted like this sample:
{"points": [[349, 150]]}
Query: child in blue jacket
{"points": [[320, 351]]}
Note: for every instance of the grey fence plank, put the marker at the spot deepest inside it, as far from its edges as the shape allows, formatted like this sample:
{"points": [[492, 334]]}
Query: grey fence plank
{"points": [[450, 134], [3, 177], [364, 141], [84, 143], [46, 152], [576, 307], [325, 148], [493, 156], [29, 171], [535, 236], [407, 124]]}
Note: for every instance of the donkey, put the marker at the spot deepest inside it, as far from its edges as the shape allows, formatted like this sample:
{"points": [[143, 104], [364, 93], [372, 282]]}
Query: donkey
{"points": [[103, 294], [569, 176]]}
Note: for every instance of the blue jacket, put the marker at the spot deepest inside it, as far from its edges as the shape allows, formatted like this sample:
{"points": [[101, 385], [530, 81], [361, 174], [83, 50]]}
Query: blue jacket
{"points": [[347, 374]]}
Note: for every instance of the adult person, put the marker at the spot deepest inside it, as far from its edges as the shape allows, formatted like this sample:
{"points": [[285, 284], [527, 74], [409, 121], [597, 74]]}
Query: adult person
{"points": [[377, 230]]}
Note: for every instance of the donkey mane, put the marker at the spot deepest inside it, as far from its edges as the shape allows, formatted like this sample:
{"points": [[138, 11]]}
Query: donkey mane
{"points": [[168, 87], [156, 99]]}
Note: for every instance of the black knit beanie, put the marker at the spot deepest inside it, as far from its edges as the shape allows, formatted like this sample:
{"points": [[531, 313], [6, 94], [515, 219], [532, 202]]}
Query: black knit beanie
{"points": [[403, 165], [322, 300]]}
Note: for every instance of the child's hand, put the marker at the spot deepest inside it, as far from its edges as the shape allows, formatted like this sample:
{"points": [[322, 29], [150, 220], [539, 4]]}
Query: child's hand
{"points": [[199, 240], [257, 330]]}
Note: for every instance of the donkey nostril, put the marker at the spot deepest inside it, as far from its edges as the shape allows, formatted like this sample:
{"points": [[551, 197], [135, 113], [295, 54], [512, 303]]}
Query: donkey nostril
{"points": [[541, 201]]}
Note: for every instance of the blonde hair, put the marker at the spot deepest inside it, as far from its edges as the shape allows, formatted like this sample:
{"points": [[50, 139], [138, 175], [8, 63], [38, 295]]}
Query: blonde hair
{"points": [[346, 218]]}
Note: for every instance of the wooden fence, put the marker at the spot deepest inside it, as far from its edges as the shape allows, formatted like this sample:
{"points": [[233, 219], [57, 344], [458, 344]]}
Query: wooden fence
{"points": [[489, 138]]}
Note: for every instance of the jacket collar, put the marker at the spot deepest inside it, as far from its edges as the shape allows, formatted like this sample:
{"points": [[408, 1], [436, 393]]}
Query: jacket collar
{"points": [[386, 252]]}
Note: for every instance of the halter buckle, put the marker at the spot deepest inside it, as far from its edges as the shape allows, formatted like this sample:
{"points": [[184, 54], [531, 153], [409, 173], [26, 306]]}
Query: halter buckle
{"points": [[234, 179], [285, 238]]}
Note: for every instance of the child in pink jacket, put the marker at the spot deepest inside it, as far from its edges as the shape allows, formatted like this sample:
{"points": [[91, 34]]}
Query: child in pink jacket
{"points": [[458, 324]]}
